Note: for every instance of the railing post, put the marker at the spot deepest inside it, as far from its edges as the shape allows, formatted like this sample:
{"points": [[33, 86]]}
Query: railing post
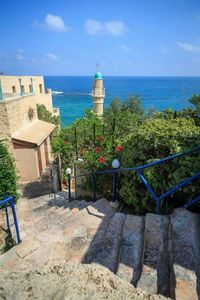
{"points": [[94, 186], [69, 185], [68, 173], [15, 219], [114, 184], [158, 207], [7, 218]]}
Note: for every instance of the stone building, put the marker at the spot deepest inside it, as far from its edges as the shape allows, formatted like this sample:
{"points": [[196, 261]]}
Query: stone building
{"points": [[98, 94], [28, 138]]}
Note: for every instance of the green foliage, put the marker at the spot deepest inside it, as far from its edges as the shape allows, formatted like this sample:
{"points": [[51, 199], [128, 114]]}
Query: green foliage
{"points": [[195, 100], [8, 178], [155, 139], [45, 115], [143, 138]]}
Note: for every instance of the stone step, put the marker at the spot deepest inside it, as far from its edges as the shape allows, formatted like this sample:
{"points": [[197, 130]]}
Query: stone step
{"points": [[84, 229], [108, 251], [155, 270], [129, 265], [185, 255]]}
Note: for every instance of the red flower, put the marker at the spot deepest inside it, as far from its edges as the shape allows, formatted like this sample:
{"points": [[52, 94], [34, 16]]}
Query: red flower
{"points": [[65, 142], [98, 150], [119, 148], [101, 160], [100, 138]]}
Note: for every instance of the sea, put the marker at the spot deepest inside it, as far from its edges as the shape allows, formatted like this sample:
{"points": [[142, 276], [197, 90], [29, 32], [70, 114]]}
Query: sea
{"points": [[72, 94]]}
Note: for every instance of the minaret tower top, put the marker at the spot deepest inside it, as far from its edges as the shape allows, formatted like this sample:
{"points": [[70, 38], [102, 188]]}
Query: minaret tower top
{"points": [[98, 93]]}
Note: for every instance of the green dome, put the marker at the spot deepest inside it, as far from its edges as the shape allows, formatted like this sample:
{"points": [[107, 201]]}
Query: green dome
{"points": [[98, 75]]}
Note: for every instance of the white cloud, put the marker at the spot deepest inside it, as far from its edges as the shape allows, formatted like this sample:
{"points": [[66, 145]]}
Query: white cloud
{"points": [[188, 47], [125, 48], [115, 27], [52, 22], [20, 55], [94, 27], [52, 56]]}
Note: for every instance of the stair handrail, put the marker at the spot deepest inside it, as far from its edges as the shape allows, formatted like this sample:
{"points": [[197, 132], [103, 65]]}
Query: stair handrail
{"points": [[9, 200]]}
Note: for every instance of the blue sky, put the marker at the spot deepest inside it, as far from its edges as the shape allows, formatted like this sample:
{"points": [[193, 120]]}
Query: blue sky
{"points": [[129, 37]]}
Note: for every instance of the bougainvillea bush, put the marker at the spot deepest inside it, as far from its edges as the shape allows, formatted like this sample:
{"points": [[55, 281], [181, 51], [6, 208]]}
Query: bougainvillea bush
{"points": [[100, 158]]}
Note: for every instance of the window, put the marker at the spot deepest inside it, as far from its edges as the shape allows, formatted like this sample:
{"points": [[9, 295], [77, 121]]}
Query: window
{"points": [[14, 89], [40, 88], [30, 88]]}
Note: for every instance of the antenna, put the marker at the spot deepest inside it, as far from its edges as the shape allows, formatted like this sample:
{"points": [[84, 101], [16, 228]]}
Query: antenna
{"points": [[98, 67]]}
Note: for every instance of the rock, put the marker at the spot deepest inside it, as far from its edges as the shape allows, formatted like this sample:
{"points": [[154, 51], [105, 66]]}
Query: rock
{"points": [[68, 281]]}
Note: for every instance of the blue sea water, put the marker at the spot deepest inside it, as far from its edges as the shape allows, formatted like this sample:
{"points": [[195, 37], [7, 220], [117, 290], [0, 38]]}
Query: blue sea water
{"points": [[155, 92]]}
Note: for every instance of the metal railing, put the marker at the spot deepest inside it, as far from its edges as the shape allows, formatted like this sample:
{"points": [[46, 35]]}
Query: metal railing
{"points": [[5, 202], [157, 198]]}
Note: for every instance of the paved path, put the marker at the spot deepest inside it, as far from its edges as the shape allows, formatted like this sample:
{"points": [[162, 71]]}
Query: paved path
{"points": [[159, 254]]}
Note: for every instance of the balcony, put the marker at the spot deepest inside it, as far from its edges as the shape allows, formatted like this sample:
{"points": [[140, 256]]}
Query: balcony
{"points": [[14, 96]]}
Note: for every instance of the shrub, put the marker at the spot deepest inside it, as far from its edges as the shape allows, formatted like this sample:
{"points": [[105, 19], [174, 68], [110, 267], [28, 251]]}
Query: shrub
{"points": [[8, 178], [45, 115], [155, 139]]}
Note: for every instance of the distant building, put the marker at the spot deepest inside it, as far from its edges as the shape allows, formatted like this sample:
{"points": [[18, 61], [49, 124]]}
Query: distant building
{"points": [[98, 94], [28, 137]]}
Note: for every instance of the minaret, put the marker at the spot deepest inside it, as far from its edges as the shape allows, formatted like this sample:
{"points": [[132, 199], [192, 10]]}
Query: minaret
{"points": [[98, 94]]}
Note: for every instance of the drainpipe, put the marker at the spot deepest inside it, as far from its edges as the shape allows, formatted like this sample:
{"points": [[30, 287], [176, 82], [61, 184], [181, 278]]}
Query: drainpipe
{"points": [[20, 83], [32, 85], [1, 92]]}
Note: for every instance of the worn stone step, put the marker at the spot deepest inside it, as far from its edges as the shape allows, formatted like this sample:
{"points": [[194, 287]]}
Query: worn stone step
{"points": [[129, 265], [107, 253], [185, 255], [86, 227], [155, 270]]}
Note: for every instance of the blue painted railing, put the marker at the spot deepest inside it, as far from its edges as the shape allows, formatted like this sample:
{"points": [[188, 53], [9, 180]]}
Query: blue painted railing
{"points": [[10, 201], [138, 170]]}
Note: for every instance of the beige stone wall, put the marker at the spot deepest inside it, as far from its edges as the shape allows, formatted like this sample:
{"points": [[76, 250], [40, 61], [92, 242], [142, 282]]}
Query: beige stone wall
{"points": [[17, 111], [42, 96], [7, 82], [14, 116], [4, 123], [14, 108]]}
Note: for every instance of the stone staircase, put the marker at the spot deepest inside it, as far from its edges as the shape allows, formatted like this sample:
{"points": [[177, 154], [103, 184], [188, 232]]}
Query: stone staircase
{"points": [[157, 253]]}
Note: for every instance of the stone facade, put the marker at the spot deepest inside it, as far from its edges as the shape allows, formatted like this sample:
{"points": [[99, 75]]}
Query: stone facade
{"points": [[18, 112]]}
